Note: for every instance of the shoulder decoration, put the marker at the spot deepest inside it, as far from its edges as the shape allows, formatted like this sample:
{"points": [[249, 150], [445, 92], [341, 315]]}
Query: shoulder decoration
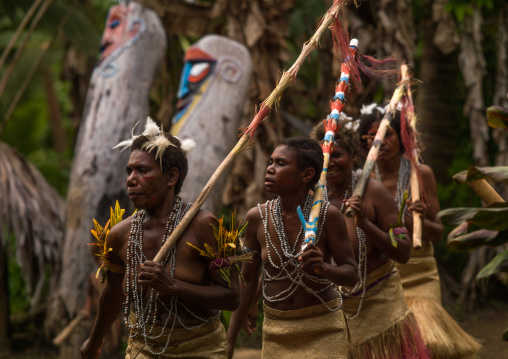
{"points": [[227, 242], [101, 234]]}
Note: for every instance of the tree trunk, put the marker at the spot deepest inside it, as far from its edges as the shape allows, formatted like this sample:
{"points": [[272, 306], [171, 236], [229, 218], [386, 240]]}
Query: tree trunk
{"points": [[117, 99], [438, 121], [55, 117], [473, 67], [500, 135]]}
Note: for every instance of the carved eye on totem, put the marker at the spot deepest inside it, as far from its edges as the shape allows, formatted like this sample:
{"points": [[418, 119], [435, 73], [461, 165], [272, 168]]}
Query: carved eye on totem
{"points": [[114, 23], [193, 76]]}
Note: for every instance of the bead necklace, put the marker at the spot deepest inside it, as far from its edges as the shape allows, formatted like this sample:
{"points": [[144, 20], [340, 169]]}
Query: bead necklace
{"points": [[147, 311], [362, 254], [402, 180], [289, 268]]}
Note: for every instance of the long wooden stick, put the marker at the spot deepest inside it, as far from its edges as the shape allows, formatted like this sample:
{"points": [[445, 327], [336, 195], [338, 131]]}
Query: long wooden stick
{"points": [[415, 183], [64, 334], [288, 78], [417, 216], [378, 140]]}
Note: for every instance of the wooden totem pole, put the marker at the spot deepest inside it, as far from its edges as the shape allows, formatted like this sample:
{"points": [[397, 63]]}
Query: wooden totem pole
{"points": [[132, 47], [212, 92]]}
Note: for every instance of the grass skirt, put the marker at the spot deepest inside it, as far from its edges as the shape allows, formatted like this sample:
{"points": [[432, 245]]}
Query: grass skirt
{"points": [[443, 336], [385, 327], [205, 342], [311, 332]]}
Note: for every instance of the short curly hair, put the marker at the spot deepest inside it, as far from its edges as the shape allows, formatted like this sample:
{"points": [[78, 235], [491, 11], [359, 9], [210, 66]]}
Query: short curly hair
{"points": [[172, 157], [345, 138], [376, 116], [308, 154]]}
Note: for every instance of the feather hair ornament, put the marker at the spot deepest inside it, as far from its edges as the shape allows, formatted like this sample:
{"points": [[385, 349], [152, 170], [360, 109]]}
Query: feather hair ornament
{"points": [[128, 143], [157, 140], [187, 146]]}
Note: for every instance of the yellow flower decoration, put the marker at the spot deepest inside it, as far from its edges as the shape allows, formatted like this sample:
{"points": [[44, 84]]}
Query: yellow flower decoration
{"points": [[101, 234]]}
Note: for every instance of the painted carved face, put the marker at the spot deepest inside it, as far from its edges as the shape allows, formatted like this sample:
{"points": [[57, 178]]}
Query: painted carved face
{"points": [[391, 144], [116, 32], [197, 69], [282, 173], [146, 184]]}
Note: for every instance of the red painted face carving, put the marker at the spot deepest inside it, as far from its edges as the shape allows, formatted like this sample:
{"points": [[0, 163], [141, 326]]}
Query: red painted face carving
{"points": [[116, 32]]}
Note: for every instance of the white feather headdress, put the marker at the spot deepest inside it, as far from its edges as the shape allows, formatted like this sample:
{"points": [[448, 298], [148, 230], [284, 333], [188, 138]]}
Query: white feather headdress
{"points": [[369, 109], [156, 140]]}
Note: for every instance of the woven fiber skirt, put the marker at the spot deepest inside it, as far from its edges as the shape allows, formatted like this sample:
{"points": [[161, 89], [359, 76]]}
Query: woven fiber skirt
{"points": [[385, 327], [311, 332], [443, 336], [207, 341]]}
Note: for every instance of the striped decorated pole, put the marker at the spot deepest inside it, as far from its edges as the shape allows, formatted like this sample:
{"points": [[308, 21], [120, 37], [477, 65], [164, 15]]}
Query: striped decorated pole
{"points": [[332, 127]]}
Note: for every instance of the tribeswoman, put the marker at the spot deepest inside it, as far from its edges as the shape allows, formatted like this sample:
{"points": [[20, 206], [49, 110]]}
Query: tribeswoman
{"points": [[171, 309], [420, 278], [379, 321], [302, 307]]}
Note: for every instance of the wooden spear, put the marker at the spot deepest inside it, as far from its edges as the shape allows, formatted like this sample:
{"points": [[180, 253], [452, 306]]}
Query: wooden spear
{"points": [[287, 79], [380, 135]]}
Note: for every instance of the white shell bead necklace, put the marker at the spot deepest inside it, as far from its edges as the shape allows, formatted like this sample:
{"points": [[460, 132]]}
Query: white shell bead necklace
{"points": [[147, 312], [289, 268]]}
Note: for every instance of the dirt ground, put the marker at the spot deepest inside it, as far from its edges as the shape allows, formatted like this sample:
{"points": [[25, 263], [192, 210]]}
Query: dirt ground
{"points": [[487, 324]]}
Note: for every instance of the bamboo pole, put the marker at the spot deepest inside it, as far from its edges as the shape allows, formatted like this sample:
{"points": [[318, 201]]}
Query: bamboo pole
{"points": [[415, 183], [417, 216], [287, 79], [486, 192], [380, 135]]}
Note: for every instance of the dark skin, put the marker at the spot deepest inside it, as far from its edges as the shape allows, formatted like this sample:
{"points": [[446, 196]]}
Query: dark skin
{"points": [[201, 290], [388, 164], [375, 211], [285, 179]]}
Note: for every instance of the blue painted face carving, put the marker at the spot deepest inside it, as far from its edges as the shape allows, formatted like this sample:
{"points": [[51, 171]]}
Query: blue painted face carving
{"points": [[198, 68]]}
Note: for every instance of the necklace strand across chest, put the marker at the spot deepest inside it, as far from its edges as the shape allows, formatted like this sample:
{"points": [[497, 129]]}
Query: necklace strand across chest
{"points": [[288, 267], [145, 306]]}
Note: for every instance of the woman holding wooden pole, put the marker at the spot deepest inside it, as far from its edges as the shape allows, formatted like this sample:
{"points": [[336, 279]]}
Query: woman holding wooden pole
{"points": [[420, 277]]}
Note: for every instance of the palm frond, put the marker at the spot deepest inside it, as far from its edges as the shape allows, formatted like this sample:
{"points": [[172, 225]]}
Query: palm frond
{"points": [[34, 213]]}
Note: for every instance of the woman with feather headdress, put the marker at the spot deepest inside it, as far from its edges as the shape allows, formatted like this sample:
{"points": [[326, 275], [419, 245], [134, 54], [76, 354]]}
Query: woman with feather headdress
{"points": [[171, 308]]}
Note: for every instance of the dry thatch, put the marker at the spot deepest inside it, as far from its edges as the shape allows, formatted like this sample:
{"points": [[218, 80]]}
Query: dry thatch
{"points": [[34, 213]]}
